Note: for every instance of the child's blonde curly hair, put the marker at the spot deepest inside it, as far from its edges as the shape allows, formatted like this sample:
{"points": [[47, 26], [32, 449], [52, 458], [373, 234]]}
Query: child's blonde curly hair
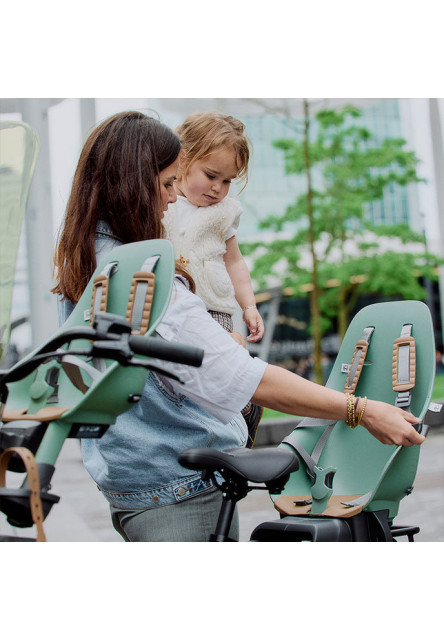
{"points": [[203, 133]]}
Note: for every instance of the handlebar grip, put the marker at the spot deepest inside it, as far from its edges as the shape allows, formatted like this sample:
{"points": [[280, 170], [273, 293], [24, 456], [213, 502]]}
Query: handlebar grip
{"points": [[164, 350]]}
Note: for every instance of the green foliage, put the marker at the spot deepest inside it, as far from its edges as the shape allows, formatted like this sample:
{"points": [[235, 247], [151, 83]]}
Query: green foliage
{"points": [[438, 390], [349, 169]]}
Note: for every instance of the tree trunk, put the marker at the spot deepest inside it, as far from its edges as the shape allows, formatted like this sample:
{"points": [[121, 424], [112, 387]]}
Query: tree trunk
{"points": [[342, 313], [314, 298]]}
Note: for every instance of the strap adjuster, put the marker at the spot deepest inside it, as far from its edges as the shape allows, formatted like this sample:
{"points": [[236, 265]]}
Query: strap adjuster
{"points": [[403, 399]]}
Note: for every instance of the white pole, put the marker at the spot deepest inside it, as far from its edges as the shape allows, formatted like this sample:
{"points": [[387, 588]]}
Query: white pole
{"points": [[39, 231]]}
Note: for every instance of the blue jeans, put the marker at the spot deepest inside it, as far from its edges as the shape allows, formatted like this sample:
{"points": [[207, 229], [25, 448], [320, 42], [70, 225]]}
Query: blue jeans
{"points": [[192, 520]]}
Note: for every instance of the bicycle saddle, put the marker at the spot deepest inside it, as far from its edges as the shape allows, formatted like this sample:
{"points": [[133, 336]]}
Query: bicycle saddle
{"points": [[256, 465]]}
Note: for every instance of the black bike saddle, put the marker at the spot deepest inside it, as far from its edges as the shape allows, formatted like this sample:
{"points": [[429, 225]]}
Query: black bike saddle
{"points": [[255, 465]]}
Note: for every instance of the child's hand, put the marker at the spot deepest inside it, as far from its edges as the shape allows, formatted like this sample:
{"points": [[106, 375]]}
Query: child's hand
{"points": [[254, 322]]}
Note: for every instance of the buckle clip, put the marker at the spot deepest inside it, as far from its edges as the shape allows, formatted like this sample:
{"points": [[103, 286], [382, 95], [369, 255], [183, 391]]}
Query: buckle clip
{"points": [[404, 399]]}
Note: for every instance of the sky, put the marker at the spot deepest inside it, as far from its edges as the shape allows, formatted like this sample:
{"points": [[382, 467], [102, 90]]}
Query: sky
{"points": [[192, 48]]}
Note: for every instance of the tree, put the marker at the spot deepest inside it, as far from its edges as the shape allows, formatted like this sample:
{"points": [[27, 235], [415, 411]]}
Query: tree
{"points": [[345, 170]]}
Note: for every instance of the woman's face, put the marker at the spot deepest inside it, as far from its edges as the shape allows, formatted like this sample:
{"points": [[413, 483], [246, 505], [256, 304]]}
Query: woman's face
{"points": [[166, 180]]}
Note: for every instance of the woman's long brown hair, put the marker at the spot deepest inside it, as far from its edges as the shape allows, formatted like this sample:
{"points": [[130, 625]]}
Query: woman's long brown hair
{"points": [[117, 182]]}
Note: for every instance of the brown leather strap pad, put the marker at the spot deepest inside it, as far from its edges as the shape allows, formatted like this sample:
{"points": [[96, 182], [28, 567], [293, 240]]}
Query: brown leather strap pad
{"points": [[100, 282], [45, 414], [150, 279], [33, 483], [404, 341], [351, 386]]}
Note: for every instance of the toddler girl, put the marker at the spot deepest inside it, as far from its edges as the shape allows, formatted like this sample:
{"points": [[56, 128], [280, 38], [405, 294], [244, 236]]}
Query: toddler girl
{"points": [[202, 223]]}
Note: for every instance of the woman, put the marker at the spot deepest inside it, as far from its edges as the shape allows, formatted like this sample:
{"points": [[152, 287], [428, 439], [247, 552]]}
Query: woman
{"points": [[122, 185]]}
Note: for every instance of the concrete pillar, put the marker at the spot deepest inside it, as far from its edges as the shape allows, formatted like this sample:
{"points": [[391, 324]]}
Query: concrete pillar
{"points": [[436, 127], [87, 116], [39, 231], [270, 324]]}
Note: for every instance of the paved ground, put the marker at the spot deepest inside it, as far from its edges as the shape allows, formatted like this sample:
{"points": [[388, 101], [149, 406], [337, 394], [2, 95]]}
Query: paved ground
{"points": [[82, 513]]}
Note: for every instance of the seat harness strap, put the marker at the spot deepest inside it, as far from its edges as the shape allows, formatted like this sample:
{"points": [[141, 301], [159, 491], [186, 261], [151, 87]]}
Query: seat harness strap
{"points": [[138, 314], [71, 365], [358, 360], [312, 460], [141, 296], [99, 298], [403, 367], [354, 373]]}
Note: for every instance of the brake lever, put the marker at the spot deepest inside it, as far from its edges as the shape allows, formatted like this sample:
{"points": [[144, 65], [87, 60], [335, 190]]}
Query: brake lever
{"points": [[421, 428]]}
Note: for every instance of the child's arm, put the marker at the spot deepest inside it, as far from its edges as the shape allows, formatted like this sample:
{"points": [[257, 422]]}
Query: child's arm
{"points": [[240, 277]]}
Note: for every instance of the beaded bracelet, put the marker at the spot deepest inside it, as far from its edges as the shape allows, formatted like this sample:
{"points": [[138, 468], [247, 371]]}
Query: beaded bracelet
{"points": [[364, 404], [353, 418], [350, 420]]}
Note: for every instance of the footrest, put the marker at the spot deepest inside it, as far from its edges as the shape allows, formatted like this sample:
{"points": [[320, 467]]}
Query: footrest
{"points": [[399, 530], [15, 504], [16, 539], [21, 433]]}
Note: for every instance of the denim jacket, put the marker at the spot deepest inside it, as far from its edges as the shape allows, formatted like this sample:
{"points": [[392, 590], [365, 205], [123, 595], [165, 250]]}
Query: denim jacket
{"points": [[135, 463]]}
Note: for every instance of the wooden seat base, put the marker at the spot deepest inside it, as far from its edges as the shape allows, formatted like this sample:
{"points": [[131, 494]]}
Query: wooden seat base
{"points": [[46, 414], [286, 506]]}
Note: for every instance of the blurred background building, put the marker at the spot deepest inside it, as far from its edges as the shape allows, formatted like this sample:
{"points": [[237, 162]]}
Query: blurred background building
{"points": [[64, 123]]}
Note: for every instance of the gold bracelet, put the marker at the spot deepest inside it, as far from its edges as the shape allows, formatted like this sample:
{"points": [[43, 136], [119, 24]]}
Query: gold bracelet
{"points": [[361, 413], [351, 417]]}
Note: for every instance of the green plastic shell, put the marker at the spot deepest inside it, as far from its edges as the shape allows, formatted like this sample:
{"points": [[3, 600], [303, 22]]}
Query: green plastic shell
{"points": [[363, 463], [109, 395]]}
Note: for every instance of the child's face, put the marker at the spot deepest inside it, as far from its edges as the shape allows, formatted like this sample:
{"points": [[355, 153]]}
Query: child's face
{"points": [[208, 180]]}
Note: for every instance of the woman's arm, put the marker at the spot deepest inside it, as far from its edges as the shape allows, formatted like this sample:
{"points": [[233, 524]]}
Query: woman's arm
{"points": [[229, 377], [287, 392], [243, 289]]}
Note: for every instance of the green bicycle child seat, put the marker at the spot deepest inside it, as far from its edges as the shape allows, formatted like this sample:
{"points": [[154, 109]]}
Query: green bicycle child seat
{"points": [[388, 354]]}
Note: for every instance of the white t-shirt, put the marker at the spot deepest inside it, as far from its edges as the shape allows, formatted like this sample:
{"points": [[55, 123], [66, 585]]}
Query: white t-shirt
{"points": [[228, 376]]}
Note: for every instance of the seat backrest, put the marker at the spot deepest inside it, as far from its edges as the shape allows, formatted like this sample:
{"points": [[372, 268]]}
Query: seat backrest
{"points": [[363, 463], [103, 388]]}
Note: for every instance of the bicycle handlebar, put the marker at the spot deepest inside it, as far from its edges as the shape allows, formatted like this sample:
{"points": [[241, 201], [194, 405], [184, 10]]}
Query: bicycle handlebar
{"points": [[120, 347], [164, 350]]}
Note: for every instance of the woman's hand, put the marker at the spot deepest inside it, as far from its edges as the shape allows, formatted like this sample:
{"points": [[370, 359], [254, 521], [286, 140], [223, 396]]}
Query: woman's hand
{"points": [[287, 392], [391, 425]]}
